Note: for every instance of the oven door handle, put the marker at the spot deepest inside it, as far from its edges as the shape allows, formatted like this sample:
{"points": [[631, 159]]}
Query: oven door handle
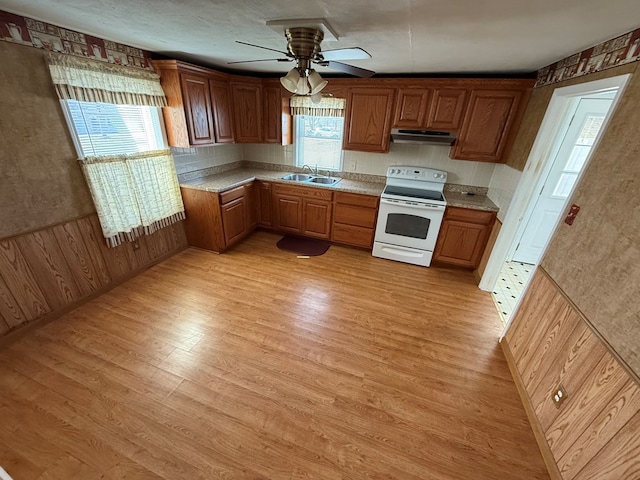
{"points": [[422, 206]]}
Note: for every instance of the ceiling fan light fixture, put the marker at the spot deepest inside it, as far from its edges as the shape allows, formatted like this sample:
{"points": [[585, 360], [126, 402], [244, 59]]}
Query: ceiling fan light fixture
{"points": [[291, 80], [316, 82], [316, 97], [303, 86]]}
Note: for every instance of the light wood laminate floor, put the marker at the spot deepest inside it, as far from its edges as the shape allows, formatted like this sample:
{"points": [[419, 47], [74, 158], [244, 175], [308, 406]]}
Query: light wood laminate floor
{"points": [[256, 364]]}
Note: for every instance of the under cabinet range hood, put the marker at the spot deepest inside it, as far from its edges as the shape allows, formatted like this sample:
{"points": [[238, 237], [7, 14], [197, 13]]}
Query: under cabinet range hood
{"points": [[422, 137]]}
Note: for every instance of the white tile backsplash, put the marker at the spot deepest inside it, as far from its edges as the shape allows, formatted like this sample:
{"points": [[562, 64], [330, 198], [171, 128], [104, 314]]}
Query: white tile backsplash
{"points": [[192, 159], [502, 187], [460, 171]]}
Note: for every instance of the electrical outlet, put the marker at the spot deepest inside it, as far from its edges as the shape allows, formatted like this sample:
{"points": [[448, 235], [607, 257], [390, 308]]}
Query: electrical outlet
{"points": [[559, 395]]}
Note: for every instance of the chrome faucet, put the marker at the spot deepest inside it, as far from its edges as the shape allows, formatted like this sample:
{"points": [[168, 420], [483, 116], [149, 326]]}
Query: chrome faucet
{"points": [[310, 169]]}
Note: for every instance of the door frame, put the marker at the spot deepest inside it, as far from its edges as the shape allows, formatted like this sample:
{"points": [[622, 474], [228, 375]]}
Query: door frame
{"points": [[572, 106], [561, 103]]}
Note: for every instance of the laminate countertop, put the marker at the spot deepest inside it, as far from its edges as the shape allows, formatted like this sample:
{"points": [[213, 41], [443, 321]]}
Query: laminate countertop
{"points": [[233, 178], [477, 201], [221, 182]]}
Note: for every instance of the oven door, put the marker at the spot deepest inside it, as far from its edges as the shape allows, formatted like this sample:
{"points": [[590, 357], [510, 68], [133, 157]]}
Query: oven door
{"points": [[409, 224]]}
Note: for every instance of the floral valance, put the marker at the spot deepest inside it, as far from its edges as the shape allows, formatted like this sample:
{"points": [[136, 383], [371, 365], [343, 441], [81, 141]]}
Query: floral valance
{"points": [[326, 107], [86, 80]]}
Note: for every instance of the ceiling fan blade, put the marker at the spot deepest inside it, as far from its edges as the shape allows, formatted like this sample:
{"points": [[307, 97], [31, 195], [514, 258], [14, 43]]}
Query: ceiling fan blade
{"points": [[265, 48], [350, 69], [264, 60], [355, 53]]}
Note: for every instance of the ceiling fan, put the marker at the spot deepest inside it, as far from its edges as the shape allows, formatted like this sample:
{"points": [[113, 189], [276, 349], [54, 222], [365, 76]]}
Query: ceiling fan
{"points": [[303, 47]]}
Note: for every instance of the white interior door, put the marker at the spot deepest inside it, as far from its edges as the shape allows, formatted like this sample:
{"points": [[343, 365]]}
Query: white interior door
{"points": [[571, 157]]}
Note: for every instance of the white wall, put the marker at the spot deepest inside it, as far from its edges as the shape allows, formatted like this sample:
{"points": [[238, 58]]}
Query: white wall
{"points": [[502, 187], [460, 171]]}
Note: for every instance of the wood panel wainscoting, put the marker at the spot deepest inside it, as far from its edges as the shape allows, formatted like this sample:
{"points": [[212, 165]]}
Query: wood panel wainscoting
{"points": [[48, 271], [594, 434], [258, 364]]}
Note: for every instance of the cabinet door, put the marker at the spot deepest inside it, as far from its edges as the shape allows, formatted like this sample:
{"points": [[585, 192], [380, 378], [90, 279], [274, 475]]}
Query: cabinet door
{"points": [[247, 112], [222, 114], [252, 194], [447, 107], [197, 103], [317, 218], [461, 243], [288, 213], [272, 114], [233, 220], [368, 119], [265, 216], [412, 106], [487, 124], [203, 225]]}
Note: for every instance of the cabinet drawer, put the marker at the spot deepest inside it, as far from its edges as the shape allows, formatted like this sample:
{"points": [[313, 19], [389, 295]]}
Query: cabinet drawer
{"points": [[355, 215], [230, 195], [470, 215], [300, 191], [357, 199], [352, 235]]}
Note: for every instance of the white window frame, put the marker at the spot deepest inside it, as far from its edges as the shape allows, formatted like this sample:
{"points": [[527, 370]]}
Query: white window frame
{"points": [[299, 149], [76, 137]]}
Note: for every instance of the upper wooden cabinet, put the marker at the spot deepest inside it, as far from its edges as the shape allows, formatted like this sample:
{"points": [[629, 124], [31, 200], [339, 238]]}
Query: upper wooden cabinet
{"points": [[368, 119], [246, 95], [198, 109], [272, 112], [412, 106], [429, 108], [222, 113], [447, 107], [489, 126], [197, 104]]}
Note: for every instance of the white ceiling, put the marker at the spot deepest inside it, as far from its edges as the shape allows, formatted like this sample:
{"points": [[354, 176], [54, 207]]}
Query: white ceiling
{"points": [[402, 36]]}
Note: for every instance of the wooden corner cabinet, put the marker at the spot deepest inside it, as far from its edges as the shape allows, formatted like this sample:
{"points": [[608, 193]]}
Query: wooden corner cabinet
{"points": [[222, 113], [246, 94], [272, 111], [197, 111], [463, 236], [368, 119]]}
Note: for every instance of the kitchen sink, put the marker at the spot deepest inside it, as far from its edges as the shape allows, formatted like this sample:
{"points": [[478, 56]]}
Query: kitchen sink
{"points": [[297, 177], [304, 178], [325, 180]]}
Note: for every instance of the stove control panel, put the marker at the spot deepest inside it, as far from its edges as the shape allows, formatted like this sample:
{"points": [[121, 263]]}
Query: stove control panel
{"points": [[417, 173]]}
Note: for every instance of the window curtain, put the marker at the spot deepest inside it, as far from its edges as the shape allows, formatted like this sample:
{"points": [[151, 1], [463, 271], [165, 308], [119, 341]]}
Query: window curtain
{"points": [[327, 107], [86, 80], [134, 194]]}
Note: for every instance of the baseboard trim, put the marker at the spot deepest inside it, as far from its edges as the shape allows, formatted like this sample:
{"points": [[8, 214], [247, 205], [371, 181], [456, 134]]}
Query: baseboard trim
{"points": [[51, 316], [547, 456]]}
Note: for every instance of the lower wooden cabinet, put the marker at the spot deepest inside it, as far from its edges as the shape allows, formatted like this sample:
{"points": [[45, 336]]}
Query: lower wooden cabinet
{"points": [[463, 236], [234, 221], [354, 219], [302, 210], [203, 224], [265, 211], [288, 213]]}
